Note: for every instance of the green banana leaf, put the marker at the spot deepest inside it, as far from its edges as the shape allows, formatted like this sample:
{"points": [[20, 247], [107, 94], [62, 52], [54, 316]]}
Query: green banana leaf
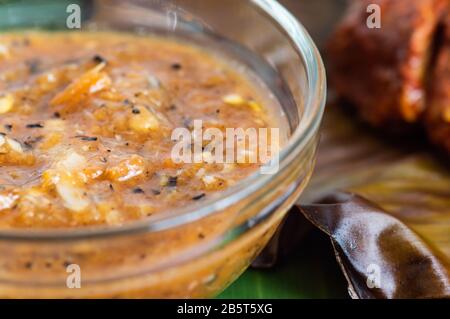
{"points": [[309, 272]]}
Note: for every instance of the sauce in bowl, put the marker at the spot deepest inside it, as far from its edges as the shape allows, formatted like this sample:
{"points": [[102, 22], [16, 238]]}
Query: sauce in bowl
{"points": [[86, 122]]}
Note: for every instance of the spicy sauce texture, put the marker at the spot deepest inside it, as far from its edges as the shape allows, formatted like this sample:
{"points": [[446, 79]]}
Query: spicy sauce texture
{"points": [[86, 122]]}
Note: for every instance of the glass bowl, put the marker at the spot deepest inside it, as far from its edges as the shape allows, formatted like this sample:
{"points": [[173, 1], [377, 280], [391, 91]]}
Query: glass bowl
{"points": [[195, 251]]}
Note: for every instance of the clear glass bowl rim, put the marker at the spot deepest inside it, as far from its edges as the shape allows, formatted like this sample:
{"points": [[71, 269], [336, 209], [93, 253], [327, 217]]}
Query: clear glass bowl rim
{"points": [[309, 123]]}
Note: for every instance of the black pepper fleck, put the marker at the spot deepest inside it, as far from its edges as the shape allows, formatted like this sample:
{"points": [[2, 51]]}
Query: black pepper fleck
{"points": [[87, 138], [138, 190], [176, 66], [198, 197], [173, 180], [35, 125], [98, 59], [30, 141]]}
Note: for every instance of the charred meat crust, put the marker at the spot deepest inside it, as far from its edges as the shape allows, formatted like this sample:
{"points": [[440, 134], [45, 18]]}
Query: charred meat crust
{"points": [[381, 71], [437, 117]]}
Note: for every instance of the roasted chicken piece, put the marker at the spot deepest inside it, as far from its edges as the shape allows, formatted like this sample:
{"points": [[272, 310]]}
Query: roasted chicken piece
{"points": [[381, 71], [438, 106]]}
